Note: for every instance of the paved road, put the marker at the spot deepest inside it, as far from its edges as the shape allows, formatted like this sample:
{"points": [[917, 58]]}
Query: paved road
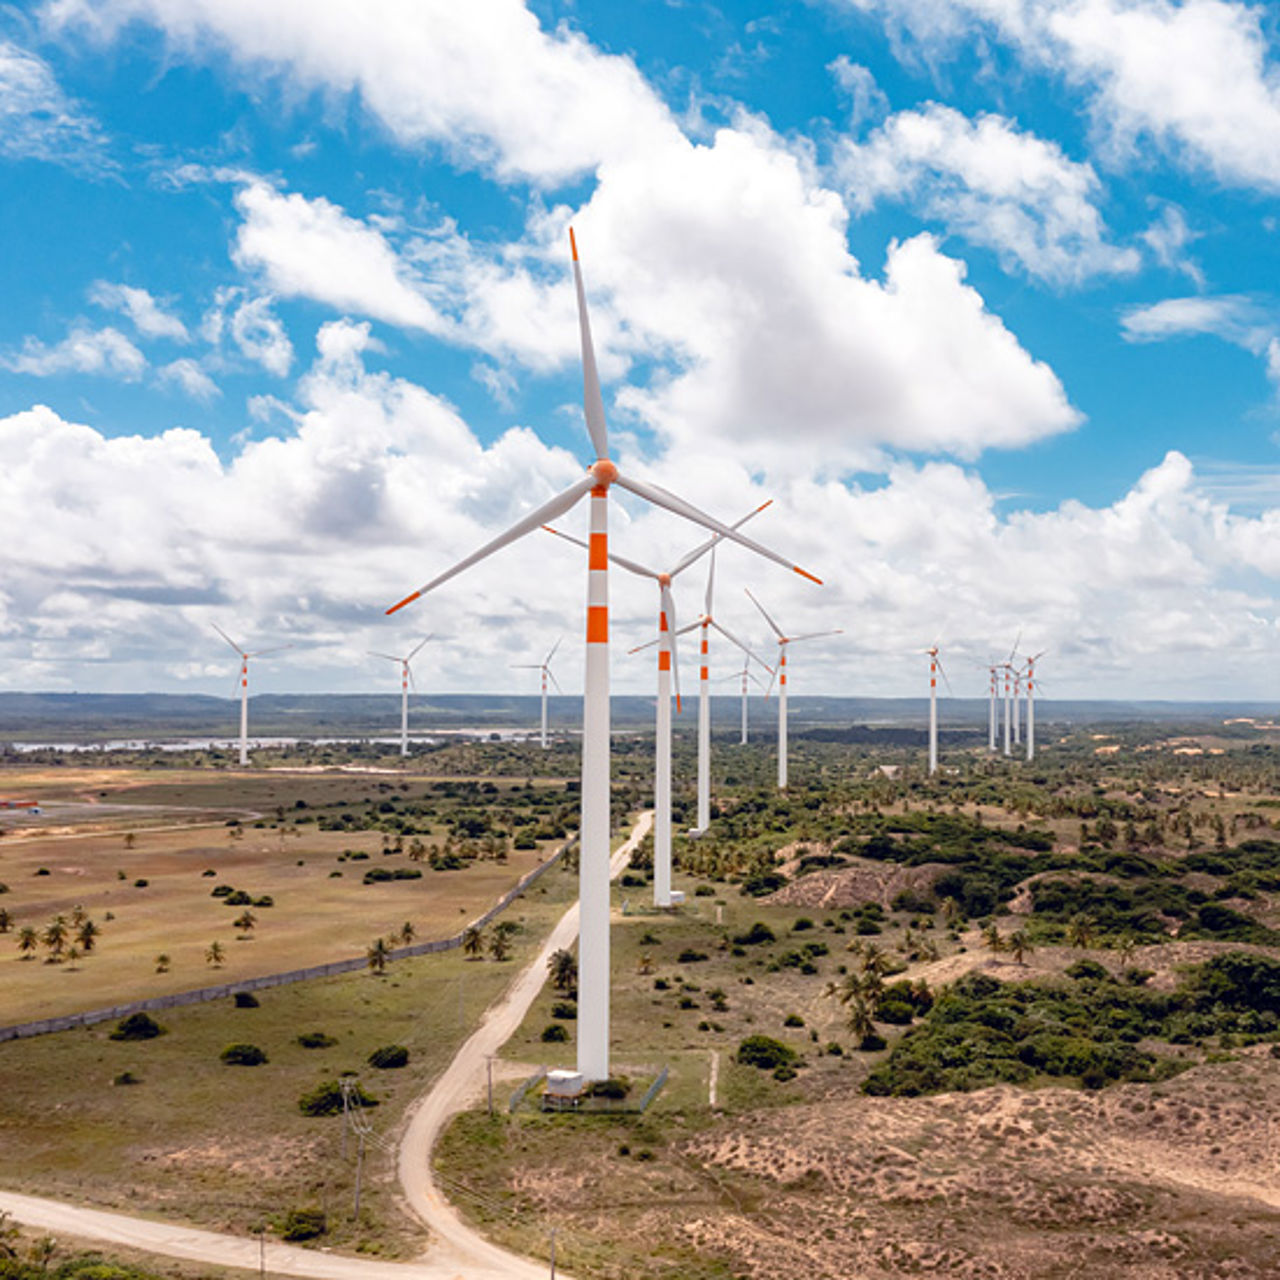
{"points": [[456, 1252]]}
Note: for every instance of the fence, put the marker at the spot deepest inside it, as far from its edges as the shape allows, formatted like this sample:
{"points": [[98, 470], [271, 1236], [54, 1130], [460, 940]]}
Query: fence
{"points": [[518, 1097], [201, 995]]}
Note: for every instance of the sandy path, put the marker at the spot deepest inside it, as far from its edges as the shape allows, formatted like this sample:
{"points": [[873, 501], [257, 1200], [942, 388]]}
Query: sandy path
{"points": [[456, 1253]]}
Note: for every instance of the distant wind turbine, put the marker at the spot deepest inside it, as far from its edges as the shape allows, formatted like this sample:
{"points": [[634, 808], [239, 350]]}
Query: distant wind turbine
{"points": [[244, 656], [593, 860], [935, 666], [547, 674], [746, 675], [780, 673], [1031, 705], [406, 679]]}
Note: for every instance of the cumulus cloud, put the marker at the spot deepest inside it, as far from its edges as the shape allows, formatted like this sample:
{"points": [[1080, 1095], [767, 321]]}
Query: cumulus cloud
{"points": [[259, 334], [39, 121], [103, 352], [190, 377], [1235, 319], [148, 317], [1195, 78], [991, 183]]}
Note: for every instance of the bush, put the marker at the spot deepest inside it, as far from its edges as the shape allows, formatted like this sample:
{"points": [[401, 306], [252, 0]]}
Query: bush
{"points": [[872, 1043], [554, 1034], [303, 1224], [690, 956], [137, 1026], [897, 1013], [326, 1099], [1086, 970], [764, 1052], [565, 1009], [246, 1000], [616, 1088], [801, 924], [317, 1040], [221, 890], [389, 1057], [756, 936], [126, 1077], [793, 1020], [243, 1055], [141, 884]]}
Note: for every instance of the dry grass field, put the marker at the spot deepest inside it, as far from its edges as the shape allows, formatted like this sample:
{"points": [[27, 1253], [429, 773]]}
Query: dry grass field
{"points": [[141, 853]]}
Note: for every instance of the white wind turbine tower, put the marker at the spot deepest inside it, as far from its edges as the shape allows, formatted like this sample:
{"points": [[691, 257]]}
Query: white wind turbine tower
{"points": [[935, 666], [746, 675], [406, 679], [780, 673], [991, 707], [547, 674], [705, 624], [1031, 705], [593, 860], [667, 667], [244, 656]]}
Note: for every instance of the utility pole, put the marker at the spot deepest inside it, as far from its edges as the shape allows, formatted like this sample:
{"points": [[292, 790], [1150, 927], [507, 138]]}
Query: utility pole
{"points": [[553, 1253], [488, 1062], [262, 1254], [345, 1085], [359, 1170]]}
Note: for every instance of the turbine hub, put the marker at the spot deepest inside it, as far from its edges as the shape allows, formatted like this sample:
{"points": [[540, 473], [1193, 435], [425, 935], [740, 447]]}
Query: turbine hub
{"points": [[604, 471], [664, 579]]}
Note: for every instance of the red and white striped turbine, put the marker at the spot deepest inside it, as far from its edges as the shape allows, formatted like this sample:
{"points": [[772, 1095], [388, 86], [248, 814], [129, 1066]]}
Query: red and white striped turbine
{"points": [[406, 679], [244, 656], [593, 863], [547, 674], [780, 673]]}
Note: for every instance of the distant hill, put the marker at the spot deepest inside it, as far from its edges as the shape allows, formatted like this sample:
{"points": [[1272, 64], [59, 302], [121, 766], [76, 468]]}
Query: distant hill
{"points": [[92, 717]]}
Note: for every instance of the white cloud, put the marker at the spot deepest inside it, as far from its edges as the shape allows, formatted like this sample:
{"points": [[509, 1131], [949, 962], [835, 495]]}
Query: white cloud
{"points": [[38, 120], [311, 248], [188, 375], [529, 103], [1197, 78], [148, 317], [104, 352], [991, 183], [1235, 319], [1168, 238], [866, 99], [261, 337]]}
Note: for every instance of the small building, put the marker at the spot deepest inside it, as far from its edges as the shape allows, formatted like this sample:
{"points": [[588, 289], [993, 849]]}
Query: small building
{"points": [[564, 1090]]}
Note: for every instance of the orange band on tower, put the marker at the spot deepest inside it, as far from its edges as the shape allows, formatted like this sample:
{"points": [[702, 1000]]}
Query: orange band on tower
{"points": [[598, 624], [664, 660], [704, 673], [598, 551]]}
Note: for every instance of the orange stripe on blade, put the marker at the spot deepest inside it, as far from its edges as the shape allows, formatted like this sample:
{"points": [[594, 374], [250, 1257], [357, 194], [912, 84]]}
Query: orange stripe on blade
{"points": [[405, 601], [804, 574], [573, 244], [598, 551], [598, 624]]}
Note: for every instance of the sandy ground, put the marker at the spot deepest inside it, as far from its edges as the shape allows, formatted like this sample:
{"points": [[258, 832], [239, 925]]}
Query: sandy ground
{"points": [[457, 1252]]}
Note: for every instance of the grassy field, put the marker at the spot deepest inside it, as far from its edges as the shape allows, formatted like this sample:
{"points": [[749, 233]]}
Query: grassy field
{"points": [[145, 874], [226, 1147]]}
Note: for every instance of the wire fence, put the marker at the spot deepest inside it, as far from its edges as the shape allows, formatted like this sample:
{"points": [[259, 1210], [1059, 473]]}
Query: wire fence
{"points": [[67, 1022]]}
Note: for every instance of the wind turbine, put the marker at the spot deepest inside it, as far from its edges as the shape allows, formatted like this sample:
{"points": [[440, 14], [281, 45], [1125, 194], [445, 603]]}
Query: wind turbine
{"points": [[746, 674], [1031, 705], [780, 672], [593, 859], [991, 707], [547, 674], [667, 668], [406, 679], [935, 666], [244, 656]]}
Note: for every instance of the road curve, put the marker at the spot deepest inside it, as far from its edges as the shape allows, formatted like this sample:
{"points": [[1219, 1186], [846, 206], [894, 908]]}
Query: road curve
{"points": [[456, 1252]]}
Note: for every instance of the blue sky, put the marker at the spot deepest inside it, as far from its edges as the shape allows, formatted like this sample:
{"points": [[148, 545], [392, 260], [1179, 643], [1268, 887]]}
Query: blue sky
{"points": [[982, 292]]}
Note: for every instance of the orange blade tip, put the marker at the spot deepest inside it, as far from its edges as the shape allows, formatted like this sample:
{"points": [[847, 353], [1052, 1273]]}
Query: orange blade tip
{"points": [[405, 601], [679, 708], [804, 574], [573, 245], [768, 502]]}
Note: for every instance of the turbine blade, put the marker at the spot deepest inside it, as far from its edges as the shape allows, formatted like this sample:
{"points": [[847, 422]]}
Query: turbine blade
{"points": [[814, 635], [711, 582], [1017, 641], [554, 681], [390, 657], [280, 648], [698, 552], [777, 630], [413, 653], [568, 537], [547, 660], [669, 501], [548, 511], [227, 638], [621, 561], [592, 402], [669, 608], [728, 635]]}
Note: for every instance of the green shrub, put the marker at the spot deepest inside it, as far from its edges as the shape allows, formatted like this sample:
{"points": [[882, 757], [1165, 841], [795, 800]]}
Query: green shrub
{"points": [[137, 1026], [243, 1055], [303, 1224], [389, 1057], [565, 1009], [125, 1077], [326, 1099], [756, 936], [1087, 970], [764, 1052], [554, 1034], [793, 1020], [316, 1040], [246, 1000], [690, 956]]}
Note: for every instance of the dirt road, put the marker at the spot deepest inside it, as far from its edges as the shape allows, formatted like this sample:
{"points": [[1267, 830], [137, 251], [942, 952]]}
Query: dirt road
{"points": [[456, 1252]]}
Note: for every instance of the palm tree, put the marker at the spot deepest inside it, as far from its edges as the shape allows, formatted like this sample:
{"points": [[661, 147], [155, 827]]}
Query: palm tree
{"points": [[8, 1235], [499, 945], [378, 955], [859, 1019], [407, 932], [28, 941], [55, 938], [162, 962], [86, 935], [1080, 931], [564, 970], [473, 942], [1126, 946], [245, 922], [1019, 944], [215, 955], [73, 954], [991, 936], [417, 850], [6, 921]]}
